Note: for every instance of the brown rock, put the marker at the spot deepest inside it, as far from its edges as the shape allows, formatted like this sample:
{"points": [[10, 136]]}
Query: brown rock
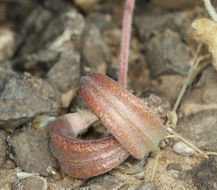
{"points": [[94, 50], [169, 86], [33, 183], [148, 186], [203, 95], [205, 174], [174, 166], [166, 53], [86, 4], [181, 4], [33, 28], [61, 37], [65, 75], [32, 151], [22, 97], [200, 129], [101, 20], [101, 182], [178, 21]]}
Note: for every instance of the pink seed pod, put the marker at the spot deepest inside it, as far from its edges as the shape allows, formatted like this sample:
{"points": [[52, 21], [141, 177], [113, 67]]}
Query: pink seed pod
{"points": [[128, 119], [83, 158]]}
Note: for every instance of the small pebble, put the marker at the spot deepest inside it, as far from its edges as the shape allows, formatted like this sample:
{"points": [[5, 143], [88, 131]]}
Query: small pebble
{"points": [[54, 173], [174, 166], [148, 186], [183, 149], [23, 175]]}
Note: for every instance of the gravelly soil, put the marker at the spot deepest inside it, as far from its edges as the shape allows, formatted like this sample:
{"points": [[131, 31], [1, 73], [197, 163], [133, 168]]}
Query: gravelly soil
{"points": [[46, 46]]}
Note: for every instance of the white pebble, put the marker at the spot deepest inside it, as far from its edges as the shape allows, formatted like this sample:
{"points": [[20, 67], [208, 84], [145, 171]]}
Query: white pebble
{"points": [[23, 175], [183, 149]]}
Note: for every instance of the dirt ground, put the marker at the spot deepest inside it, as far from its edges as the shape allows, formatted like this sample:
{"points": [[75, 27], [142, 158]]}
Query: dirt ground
{"points": [[46, 46]]}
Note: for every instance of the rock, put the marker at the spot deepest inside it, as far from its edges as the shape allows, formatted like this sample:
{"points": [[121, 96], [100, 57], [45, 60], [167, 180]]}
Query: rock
{"points": [[148, 25], [136, 166], [181, 4], [2, 146], [112, 72], [65, 75], [37, 63], [91, 187], [184, 175], [67, 97], [148, 186], [205, 174], [56, 53], [115, 179], [54, 43], [57, 6], [33, 30], [32, 151], [169, 86], [23, 175], [72, 35], [164, 54], [138, 75], [33, 183], [94, 50], [203, 95], [6, 65], [126, 187], [77, 103], [14, 13], [174, 166], [200, 129], [101, 182], [85, 4], [102, 21], [22, 97], [67, 36], [183, 149], [8, 44]]}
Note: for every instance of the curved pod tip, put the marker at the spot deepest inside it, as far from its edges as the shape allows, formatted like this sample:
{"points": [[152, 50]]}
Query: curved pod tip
{"points": [[83, 158], [129, 120]]}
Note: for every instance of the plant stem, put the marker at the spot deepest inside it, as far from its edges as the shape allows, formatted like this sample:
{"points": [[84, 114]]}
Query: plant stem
{"points": [[210, 9], [155, 165], [188, 78], [125, 41], [176, 135]]}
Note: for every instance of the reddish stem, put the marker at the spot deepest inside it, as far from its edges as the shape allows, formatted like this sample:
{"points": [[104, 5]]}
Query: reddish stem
{"points": [[125, 41]]}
